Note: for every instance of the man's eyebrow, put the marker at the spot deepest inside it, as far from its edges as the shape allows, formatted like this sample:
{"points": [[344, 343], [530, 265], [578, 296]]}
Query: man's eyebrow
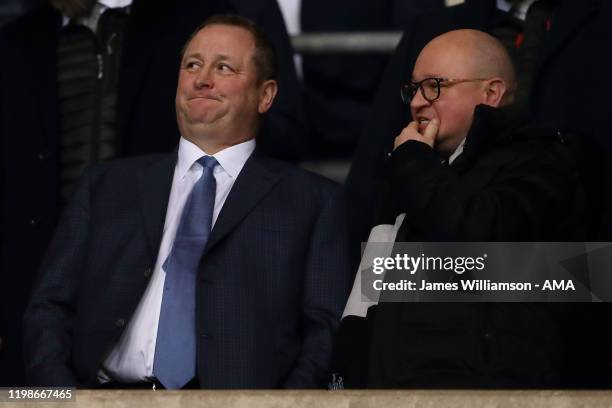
{"points": [[192, 55], [427, 75], [217, 57]]}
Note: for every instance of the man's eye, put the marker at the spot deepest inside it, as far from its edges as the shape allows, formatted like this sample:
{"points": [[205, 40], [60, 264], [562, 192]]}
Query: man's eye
{"points": [[192, 65], [430, 85], [224, 68]]}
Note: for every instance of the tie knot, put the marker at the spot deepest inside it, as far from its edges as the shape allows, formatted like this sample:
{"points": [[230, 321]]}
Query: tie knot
{"points": [[208, 162]]}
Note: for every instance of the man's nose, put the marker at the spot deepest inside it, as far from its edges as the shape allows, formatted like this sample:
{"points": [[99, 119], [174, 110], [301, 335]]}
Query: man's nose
{"points": [[418, 100], [204, 78]]}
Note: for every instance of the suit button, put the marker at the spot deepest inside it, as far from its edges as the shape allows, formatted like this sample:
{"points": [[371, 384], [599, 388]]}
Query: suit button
{"points": [[488, 335], [206, 336], [0, 343], [33, 222], [147, 272], [120, 323]]}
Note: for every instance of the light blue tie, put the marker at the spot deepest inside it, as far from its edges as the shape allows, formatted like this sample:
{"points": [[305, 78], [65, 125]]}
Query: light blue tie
{"points": [[175, 350]]}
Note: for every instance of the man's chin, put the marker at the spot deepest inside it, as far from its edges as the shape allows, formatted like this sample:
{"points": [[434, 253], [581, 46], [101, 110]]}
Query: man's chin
{"points": [[202, 119], [444, 148], [201, 127]]}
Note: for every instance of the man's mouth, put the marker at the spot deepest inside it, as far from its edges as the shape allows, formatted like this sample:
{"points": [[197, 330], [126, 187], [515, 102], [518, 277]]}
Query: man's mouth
{"points": [[422, 124], [211, 97]]}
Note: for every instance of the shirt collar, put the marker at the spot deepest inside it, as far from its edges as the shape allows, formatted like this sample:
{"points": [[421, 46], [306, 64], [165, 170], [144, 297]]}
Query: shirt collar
{"points": [[231, 159], [100, 7], [115, 3], [457, 152]]}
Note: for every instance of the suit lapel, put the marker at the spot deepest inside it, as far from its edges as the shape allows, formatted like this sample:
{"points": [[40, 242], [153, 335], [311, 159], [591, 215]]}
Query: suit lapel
{"points": [[155, 182], [254, 182]]}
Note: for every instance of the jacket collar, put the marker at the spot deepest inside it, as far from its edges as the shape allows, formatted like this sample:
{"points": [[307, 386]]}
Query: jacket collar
{"points": [[493, 127], [256, 179], [155, 182]]}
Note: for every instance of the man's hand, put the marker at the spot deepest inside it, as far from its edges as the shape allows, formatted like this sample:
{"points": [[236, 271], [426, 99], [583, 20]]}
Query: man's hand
{"points": [[411, 132]]}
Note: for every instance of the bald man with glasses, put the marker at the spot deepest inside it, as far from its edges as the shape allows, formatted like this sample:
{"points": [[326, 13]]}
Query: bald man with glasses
{"points": [[462, 170]]}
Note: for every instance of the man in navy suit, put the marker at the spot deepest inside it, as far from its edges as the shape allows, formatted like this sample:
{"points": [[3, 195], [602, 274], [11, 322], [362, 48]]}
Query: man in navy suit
{"points": [[52, 87], [264, 282]]}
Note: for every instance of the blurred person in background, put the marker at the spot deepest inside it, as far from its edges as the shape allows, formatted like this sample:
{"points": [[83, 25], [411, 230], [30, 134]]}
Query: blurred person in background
{"points": [[338, 88]]}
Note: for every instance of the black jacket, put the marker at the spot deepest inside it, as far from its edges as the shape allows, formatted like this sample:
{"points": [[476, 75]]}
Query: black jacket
{"points": [[570, 53], [511, 183]]}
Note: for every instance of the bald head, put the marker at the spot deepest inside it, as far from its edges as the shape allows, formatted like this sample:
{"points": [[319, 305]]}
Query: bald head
{"points": [[474, 54], [469, 68]]}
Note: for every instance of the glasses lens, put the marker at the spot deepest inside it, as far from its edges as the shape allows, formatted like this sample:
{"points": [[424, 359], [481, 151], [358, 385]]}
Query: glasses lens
{"points": [[407, 92], [431, 89]]}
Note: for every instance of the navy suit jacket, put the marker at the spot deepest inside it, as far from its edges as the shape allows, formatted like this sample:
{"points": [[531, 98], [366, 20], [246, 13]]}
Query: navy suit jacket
{"points": [[272, 283]]}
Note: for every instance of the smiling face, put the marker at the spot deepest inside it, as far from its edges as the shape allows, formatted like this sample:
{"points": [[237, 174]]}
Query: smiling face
{"points": [[219, 96]]}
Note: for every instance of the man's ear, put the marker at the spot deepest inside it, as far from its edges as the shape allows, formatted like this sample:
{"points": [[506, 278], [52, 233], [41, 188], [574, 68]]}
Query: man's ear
{"points": [[495, 89], [267, 93]]}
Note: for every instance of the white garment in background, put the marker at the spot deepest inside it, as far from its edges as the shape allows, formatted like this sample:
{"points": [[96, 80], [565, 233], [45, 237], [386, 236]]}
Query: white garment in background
{"points": [[290, 10], [101, 5], [520, 9]]}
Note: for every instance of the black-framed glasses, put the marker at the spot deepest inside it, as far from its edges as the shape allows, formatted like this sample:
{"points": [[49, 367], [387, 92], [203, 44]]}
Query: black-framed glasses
{"points": [[430, 87]]}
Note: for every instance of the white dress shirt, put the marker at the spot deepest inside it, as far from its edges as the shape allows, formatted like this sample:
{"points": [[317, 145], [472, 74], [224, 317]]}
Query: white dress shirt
{"points": [[520, 7], [100, 7], [131, 359], [457, 152]]}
